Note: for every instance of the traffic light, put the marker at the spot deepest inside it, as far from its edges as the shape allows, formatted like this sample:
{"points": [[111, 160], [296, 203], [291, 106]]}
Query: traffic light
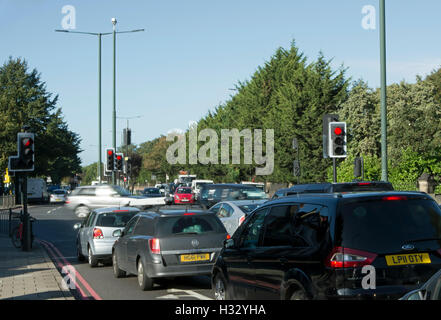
{"points": [[337, 140], [110, 157], [327, 118], [25, 159], [119, 160]]}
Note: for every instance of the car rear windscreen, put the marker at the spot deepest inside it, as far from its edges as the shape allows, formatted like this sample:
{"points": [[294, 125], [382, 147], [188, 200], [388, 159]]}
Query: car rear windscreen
{"points": [[249, 207], [114, 219], [192, 224], [384, 226]]}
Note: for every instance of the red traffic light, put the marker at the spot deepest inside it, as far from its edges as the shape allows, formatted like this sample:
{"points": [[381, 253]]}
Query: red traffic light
{"points": [[118, 157], [109, 152], [338, 131], [27, 142]]}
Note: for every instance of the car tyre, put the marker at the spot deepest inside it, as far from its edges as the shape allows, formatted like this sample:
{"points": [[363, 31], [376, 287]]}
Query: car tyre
{"points": [[93, 261], [299, 294], [144, 282], [220, 288], [80, 256], [117, 272]]}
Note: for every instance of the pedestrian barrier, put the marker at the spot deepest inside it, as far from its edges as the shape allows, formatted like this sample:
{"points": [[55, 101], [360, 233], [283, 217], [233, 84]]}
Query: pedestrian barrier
{"points": [[7, 202], [8, 220]]}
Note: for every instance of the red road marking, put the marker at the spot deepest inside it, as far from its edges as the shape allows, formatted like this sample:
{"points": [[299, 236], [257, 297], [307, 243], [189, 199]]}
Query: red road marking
{"points": [[77, 274]]}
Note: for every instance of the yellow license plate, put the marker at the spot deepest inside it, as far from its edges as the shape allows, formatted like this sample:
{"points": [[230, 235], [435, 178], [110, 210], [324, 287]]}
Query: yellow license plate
{"points": [[195, 257], [403, 259]]}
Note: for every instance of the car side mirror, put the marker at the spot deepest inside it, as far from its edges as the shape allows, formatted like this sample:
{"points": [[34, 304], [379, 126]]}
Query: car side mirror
{"points": [[117, 233], [77, 226]]}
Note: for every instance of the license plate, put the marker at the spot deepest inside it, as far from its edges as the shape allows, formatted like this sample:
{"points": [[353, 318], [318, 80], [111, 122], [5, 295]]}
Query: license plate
{"points": [[403, 259], [195, 257], [183, 200]]}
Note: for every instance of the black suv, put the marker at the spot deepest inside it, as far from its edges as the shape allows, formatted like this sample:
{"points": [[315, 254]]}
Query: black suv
{"points": [[167, 243], [327, 187], [314, 246], [214, 193]]}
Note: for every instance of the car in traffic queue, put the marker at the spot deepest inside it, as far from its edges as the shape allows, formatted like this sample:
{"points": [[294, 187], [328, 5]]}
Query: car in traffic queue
{"points": [[58, 196], [315, 246], [214, 193], [233, 213], [152, 193], [167, 243], [196, 186], [183, 195], [95, 234], [327, 187], [86, 198]]}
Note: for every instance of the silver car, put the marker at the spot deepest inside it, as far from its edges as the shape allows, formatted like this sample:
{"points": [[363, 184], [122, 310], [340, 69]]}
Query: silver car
{"points": [[58, 196], [95, 234], [84, 199], [233, 213]]}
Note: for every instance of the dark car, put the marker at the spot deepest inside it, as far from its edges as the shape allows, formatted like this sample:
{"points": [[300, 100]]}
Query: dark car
{"points": [[314, 246], [152, 193], [327, 187], [214, 193], [169, 243]]}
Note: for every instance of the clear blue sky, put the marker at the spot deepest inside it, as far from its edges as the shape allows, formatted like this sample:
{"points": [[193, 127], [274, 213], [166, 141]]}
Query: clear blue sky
{"points": [[194, 51]]}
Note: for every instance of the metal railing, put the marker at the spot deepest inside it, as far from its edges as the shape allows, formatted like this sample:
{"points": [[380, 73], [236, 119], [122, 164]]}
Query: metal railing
{"points": [[7, 202]]}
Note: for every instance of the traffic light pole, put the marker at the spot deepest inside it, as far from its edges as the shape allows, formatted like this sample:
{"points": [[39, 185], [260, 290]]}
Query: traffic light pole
{"points": [[26, 240], [334, 169]]}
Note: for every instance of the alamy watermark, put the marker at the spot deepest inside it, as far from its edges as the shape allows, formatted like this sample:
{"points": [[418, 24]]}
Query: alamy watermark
{"points": [[208, 153], [369, 20], [69, 18]]}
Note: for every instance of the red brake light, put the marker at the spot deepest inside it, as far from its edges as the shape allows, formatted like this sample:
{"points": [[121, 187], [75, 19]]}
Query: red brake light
{"points": [[228, 236], [154, 246], [394, 198], [364, 183], [189, 214], [98, 233], [349, 258], [120, 211]]}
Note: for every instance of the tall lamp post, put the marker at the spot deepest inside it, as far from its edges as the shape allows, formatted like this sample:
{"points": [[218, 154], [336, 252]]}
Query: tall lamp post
{"points": [[383, 91], [114, 86], [99, 91]]}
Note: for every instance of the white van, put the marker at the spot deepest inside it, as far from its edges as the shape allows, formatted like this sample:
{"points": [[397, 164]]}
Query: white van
{"points": [[37, 190], [196, 186]]}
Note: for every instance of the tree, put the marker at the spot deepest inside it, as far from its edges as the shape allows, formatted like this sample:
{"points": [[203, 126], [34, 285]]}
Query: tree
{"points": [[24, 100]]}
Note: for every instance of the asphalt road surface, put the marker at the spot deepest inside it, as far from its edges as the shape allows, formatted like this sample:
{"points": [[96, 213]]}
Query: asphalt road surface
{"points": [[54, 230]]}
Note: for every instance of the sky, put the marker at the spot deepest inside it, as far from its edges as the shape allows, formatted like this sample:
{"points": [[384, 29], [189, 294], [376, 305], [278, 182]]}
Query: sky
{"points": [[192, 53]]}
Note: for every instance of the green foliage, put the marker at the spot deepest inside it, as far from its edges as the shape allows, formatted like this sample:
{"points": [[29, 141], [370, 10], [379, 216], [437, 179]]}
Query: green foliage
{"points": [[25, 101], [345, 169]]}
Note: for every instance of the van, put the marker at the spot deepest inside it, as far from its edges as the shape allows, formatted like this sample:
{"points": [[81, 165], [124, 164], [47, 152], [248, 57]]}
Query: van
{"points": [[37, 190], [196, 186]]}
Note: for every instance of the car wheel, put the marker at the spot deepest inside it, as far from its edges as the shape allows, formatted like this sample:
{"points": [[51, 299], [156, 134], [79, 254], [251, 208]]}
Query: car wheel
{"points": [[299, 294], [93, 261], [220, 288], [82, 211], [80, 257], [117, 272], [145, 283]]}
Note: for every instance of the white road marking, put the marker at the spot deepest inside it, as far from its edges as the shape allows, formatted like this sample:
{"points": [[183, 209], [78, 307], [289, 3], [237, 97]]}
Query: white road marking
{"points": [[190, 293]]}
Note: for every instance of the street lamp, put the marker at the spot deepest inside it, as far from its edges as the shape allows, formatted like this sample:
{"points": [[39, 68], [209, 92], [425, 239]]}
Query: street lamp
{"points": [[383, 91], [99, 90], [114, 85]]}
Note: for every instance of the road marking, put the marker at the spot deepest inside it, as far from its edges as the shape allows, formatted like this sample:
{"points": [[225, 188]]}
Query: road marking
{"points": [[78, 276], [53, 210]]}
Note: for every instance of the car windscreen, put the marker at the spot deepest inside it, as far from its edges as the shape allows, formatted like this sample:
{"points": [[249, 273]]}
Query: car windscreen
{"points": [[192, 224], [59, 192], [233, 193], [183, 190], [384, 226], [114, 219], [121, 191], [152, 191]]}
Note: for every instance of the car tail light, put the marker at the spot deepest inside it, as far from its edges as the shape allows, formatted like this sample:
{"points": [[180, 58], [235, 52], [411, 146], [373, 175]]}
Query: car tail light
{"points": [[364, 183], [228, 236], [349, 258], [189, 214], [394, 198], [241, 219], [97, 233], [120, 210], [154, 246]]}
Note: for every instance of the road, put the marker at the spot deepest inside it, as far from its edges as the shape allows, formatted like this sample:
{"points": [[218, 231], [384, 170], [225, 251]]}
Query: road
{"points": [[54, 228]]}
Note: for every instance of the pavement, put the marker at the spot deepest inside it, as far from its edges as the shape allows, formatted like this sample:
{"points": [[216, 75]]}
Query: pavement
{"points": [[29, 275]]}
